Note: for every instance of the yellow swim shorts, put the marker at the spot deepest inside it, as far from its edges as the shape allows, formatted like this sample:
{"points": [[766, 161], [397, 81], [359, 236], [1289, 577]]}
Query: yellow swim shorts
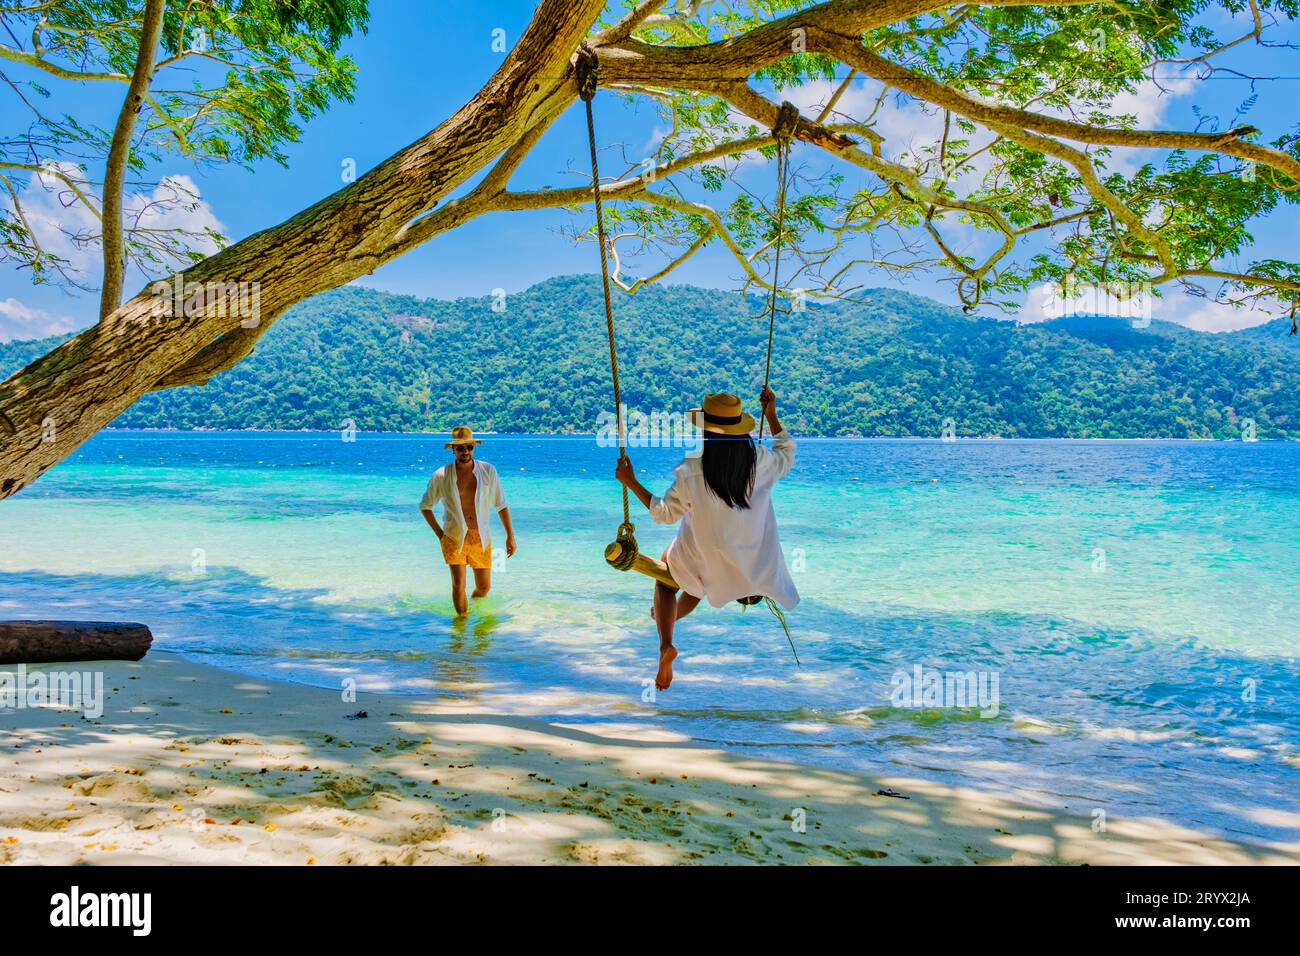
{"points": [[471, 551]]}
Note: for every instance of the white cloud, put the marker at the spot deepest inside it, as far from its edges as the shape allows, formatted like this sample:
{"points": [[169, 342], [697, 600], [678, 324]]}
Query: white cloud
{"points": [[66, 228], [812, 97], [1150, 103], [913, 129], [1208, 316], [654, 140], [62, 225], [1036, 305], [175, 203], [1204, 315], [19, 322], [1047, 301]]}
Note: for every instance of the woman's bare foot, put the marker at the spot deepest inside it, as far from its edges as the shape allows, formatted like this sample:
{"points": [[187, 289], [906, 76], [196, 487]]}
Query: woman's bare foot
{"points": [[665, 675]]}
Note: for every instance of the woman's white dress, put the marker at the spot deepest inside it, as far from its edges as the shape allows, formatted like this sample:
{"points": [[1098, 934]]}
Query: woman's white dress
{"points": [[724, 553]]}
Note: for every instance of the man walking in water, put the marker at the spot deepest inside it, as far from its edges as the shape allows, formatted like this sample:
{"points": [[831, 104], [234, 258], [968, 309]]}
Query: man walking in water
{"points": [[469, 491]]}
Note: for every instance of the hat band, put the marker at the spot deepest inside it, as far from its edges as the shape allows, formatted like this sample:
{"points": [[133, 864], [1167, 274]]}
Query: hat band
{"points": [[722, 419]]}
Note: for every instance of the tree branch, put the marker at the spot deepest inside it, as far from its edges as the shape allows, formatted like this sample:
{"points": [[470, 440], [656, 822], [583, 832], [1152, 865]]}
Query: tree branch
{"points": [[114, 242], [854, 54], [631, 287], [223, 354], [629, 24], [33, 60]]}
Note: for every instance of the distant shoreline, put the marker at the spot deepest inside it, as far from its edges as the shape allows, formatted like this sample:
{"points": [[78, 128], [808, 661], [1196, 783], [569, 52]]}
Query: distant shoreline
{"points": [[515, 436]]}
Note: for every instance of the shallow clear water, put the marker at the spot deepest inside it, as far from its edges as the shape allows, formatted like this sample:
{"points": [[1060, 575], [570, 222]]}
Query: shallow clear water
{"points": [[1136, 601]]}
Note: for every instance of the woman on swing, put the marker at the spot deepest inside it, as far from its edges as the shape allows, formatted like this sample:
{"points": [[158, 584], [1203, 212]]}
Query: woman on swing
{"points": [[727, 547]]}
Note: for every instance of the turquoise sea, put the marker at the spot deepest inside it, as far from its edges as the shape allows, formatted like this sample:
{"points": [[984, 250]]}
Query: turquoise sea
{"points": [[1137, 602]]}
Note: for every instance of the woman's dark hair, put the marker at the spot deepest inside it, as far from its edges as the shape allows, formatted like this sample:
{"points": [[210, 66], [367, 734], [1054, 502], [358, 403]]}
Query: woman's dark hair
{"points": [[729, 467]]}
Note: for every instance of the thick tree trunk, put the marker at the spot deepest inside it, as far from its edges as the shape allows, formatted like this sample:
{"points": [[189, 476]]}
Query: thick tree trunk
{"points": [[40, 642], [49, 408]]}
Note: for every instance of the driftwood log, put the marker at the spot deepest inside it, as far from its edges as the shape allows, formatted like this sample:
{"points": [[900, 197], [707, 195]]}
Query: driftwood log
{"points": [[40, 642]]}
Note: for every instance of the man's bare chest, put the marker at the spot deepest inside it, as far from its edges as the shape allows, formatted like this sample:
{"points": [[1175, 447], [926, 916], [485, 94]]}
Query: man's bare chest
{"points": [[467, 487]]}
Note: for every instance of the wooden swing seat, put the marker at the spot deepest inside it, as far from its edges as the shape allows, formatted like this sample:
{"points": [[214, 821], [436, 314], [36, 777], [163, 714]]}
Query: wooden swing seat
{"points": [[616, 555]]}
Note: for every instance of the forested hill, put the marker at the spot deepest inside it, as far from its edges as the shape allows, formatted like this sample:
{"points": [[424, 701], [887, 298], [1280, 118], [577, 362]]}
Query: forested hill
{"points": [[895, 364]]}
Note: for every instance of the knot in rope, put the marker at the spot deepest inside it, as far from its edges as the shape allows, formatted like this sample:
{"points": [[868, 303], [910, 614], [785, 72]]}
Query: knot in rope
{"points": [[585, 69], [787, 123], [627, 555]]}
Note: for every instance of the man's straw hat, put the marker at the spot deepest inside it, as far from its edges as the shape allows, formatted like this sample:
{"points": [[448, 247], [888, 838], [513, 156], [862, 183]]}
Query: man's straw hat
{"points": [[722, 415], [462, 435]]}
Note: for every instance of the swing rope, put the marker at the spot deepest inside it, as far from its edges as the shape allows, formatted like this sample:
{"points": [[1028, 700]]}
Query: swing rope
{"points": [[585, 69], [623, 553], [787, 121]]}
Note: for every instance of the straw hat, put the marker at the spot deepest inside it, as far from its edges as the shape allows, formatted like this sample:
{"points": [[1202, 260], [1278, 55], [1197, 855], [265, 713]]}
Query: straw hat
{"points": [[722, 415], [462, 435]]}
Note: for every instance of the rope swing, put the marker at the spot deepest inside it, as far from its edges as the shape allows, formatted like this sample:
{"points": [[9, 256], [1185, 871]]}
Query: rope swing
{"points": [[622, 553], [787, 121]]}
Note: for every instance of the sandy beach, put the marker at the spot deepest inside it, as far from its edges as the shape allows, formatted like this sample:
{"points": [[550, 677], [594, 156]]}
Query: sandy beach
{"points": [[194, 764]]}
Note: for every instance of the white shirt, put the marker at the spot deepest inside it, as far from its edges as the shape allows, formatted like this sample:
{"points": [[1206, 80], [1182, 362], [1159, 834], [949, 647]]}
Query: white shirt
{"points": [[487, 498], [726, 553]]}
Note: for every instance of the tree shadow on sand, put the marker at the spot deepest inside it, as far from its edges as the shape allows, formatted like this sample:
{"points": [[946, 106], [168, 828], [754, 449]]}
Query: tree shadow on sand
{"points": [[418, 781], [277, 773]]}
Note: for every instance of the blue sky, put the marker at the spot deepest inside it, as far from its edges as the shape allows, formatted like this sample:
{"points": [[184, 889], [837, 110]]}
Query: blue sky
{"points": [[420, 61]]}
